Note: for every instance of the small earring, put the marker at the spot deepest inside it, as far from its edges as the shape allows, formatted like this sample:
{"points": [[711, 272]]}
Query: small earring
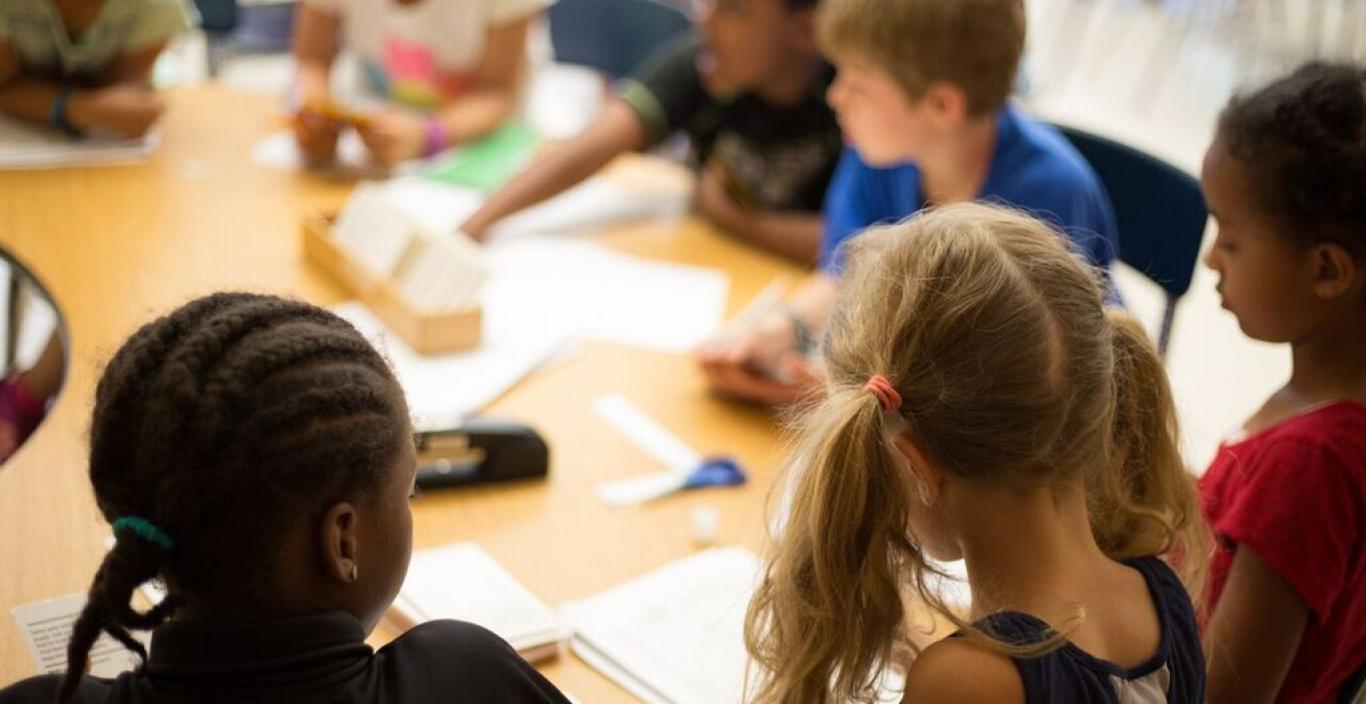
{"points": [[355, 572]]}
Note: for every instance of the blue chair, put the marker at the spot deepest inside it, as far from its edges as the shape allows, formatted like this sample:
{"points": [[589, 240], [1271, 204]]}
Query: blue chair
{"points": [[231, 28], [1160, 213], [612, 36], [217, 19]]}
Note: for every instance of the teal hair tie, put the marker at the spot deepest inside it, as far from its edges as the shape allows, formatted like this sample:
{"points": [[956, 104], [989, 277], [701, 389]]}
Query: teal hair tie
{"points": [[145, 530]]}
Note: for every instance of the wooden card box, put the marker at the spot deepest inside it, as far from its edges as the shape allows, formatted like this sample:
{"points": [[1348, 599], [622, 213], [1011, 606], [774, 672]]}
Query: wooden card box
{"points": [[425, 332]]}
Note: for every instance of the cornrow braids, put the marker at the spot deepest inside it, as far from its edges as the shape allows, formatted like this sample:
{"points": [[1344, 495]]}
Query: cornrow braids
{"points": [[1303, 141], [220, 423]]}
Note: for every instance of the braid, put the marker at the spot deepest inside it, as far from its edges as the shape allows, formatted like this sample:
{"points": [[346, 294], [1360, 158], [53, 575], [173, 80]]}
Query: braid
{"points": [[220, 423], [1303, 138]]}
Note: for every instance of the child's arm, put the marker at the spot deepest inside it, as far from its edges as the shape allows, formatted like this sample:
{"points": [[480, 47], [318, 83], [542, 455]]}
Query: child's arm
{"points": [[766, 364], [616, 131], [123, 105], [494, 95], [1253, 634], [791, 234], [315, 47], [394, 135]]}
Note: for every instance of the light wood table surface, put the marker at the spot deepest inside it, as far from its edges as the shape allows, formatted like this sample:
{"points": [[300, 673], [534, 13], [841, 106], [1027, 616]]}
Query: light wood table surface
{"points": [[118, 245]]}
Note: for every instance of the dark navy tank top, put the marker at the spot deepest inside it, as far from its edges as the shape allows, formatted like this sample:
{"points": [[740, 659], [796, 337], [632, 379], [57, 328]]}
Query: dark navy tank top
{"points": [[1175, 674]]}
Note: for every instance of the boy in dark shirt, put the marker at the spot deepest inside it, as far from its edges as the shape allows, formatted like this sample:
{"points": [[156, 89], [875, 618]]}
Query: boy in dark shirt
{"points": [[749, 91]]}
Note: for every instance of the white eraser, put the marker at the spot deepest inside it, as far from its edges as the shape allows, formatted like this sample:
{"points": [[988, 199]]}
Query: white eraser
{"points": [[705, 520]]}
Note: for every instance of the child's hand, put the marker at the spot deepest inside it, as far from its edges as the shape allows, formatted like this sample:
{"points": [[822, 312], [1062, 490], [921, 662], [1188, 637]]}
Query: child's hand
{"points": [[317, 136], [715, 202], [393, 136], [761, 364], [125, 109]]}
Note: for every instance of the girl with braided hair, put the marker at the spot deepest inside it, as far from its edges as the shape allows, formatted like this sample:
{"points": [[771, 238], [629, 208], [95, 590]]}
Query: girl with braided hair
{"points": [[256, 454], [1286, 180]]}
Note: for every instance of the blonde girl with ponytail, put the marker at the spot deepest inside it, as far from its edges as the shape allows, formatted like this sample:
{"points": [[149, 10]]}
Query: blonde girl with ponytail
{"points": [[982, 405]]}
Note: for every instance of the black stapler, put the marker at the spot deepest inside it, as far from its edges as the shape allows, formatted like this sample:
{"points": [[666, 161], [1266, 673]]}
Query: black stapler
{"points": [[480, 451]]}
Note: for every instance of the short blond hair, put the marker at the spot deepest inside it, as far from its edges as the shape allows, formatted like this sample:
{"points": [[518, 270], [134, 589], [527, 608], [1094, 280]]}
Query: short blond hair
{"points": [[973, 44]]}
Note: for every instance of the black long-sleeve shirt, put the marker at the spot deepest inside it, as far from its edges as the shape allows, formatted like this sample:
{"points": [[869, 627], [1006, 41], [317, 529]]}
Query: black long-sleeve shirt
{"points": [[318, 658]]}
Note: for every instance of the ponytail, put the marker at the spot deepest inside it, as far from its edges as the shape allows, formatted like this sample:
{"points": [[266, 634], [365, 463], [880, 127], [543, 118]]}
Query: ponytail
{"points": [[829, 616], [131, 563], [1143, 502], [828, 613]]}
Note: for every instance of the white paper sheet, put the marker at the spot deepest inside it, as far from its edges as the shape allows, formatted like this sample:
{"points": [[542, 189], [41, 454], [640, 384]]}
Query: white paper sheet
{"points": [[46, 628], [589, 291], [593, 204], [25, 146], [675, 635], [280, 151], [461, 581], [443, 389]]}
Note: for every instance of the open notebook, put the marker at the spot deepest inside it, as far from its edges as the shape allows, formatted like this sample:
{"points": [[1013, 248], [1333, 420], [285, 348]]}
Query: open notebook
{"points": [[675, 635], [462, 582], [46, 628]]}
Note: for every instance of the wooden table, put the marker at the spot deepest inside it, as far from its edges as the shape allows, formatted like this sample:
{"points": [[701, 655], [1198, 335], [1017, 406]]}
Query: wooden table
{"points": [[118, 245]]}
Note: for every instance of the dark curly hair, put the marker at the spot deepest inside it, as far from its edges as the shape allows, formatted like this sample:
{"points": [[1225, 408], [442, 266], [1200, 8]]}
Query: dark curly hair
{"points": [[220, 423], [1303, 141]]}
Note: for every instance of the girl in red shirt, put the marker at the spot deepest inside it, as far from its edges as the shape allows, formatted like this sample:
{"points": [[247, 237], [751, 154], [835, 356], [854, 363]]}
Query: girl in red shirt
{"points": [[1286, 604]]}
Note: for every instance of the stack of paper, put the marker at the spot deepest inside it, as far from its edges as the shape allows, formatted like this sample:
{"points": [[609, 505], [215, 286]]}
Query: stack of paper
{"points": [[435, 270], [25, 146], [444, 389], [676, 635], [463, 582]]}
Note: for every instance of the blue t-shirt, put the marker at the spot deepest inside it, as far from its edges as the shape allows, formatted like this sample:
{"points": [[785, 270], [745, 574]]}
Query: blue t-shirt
{"points": [[1033, 168]]}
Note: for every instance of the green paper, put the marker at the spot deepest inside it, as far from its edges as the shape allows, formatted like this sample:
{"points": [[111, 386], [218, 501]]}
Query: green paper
{"points": [[488, 163]]}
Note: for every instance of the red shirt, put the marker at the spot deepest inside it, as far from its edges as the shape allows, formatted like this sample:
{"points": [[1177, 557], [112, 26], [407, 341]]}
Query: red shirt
{"points": [[1295, 494]]}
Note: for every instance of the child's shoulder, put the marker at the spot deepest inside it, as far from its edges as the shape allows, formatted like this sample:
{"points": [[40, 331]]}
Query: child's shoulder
{"points": [[1339, 427], [443, 639], [1320, 452], [42, 689], [955, 669], [454, 656], [1041, 149]]}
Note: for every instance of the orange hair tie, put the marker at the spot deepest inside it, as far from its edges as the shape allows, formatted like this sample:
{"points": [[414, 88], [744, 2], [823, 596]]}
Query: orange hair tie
{"points": [[886, 395]]}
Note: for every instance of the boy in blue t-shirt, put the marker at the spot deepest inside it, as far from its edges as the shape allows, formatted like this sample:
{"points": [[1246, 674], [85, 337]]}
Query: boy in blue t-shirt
{"points": [[921, 95]]}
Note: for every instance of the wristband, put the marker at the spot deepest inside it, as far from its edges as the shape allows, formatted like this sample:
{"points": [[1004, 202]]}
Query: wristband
{"points": [[436, 138], [56, 115], [801, 333]]}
